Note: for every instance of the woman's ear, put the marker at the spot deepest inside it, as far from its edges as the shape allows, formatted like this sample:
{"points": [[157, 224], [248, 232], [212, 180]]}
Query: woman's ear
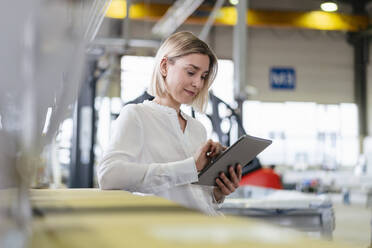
{"points": [[164, 66]]}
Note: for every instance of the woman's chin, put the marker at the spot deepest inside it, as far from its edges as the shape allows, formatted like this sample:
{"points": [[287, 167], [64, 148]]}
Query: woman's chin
{"points": [[189, 101], [186, 100]]}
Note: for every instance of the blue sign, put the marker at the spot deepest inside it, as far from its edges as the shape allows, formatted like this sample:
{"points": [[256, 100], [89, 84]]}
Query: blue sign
{"points": [[282, 78]]}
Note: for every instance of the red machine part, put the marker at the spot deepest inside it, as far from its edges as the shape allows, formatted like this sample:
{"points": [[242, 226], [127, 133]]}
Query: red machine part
{"points": [[264, 177]]}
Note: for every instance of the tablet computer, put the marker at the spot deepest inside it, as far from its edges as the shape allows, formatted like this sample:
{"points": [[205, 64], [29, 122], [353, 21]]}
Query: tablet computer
{"points": [[243, 151]]}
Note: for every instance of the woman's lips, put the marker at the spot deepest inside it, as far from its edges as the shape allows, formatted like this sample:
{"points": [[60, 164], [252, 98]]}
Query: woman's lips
{"points": [[191, 93]]}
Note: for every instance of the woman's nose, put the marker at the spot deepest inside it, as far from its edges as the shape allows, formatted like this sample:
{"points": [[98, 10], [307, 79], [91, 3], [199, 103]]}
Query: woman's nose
{"points": [[198, 83]]}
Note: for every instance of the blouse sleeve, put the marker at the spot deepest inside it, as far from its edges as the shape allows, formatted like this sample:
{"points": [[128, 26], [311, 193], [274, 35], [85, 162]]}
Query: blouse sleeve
{"points": [[120, 169]]}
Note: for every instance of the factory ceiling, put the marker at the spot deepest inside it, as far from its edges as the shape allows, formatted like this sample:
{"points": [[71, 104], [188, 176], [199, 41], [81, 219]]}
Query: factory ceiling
{"points": [[304, 14], [345, 6]]}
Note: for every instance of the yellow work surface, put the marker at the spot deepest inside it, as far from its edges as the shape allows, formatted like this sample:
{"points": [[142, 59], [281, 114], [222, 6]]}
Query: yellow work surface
{"points": [[77, 199], [94, 218]]}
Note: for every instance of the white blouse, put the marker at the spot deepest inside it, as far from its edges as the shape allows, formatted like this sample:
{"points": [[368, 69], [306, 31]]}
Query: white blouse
{"points": [[149, 153]]}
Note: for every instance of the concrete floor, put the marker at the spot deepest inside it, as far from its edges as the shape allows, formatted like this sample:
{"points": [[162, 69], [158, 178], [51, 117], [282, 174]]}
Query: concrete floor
{"points": [[353, 224]]}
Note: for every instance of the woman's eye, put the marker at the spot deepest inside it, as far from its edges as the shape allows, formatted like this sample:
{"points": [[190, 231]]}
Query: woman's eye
{"points": [[190, 73]]}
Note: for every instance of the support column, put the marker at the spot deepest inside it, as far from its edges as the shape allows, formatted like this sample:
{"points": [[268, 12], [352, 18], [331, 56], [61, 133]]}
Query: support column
{"points": [[361, 60], [82, 151], [240, 57], [360, 43]]}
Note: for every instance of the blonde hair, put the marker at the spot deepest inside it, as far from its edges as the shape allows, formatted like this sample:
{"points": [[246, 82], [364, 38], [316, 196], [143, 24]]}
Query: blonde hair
{"points": [[178, 45]]}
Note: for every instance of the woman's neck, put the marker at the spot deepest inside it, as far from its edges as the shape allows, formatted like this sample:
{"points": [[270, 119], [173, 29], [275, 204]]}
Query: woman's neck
{"points": [[166, 101]]}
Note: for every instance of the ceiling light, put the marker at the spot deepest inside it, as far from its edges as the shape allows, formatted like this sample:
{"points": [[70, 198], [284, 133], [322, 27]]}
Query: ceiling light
{"points": [[329, 6], [234, 2]]}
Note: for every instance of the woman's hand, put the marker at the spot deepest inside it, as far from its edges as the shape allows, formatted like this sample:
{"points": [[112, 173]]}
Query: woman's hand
{"points": [[225, 185], [204, 155]]}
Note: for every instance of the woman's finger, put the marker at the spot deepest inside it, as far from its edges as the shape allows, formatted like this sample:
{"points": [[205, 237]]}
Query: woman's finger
{"points": [[239, 169], [220, 147], [217, 148], [227, 182], [214, 149], [234, 178], [207, 146], [222, 187]]}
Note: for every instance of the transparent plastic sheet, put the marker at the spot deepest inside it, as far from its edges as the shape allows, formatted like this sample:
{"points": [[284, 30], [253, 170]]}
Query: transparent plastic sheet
{"points": [[95, 18], [42, 53]]}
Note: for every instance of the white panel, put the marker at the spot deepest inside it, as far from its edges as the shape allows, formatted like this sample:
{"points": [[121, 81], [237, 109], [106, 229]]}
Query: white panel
{"points": [[323, 63]]}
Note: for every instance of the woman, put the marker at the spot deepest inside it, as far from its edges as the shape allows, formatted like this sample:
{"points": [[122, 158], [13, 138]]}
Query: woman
{"points": [[155, 147]]}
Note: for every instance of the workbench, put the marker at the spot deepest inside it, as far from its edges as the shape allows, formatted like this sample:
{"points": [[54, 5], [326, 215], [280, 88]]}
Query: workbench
{"points": [[309, 213], [80, 218]]}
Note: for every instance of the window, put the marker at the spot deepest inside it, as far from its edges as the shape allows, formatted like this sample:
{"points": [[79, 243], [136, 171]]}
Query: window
{"points": [[305, 134], [135, 76]]}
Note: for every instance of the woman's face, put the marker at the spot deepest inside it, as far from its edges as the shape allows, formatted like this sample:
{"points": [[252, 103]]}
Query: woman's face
{"points": [[185, 77]]}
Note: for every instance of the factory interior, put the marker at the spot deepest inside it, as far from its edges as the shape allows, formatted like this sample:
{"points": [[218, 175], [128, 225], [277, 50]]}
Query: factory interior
{"points": [[294, 73]]}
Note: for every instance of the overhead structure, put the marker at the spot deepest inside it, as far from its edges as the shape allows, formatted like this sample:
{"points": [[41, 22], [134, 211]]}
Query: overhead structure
{"points": [[316, 20], [175, 16], [212, 17]]}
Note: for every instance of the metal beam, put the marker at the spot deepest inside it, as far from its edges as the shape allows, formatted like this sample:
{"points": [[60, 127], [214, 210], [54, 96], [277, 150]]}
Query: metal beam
{"points": [[175, 16], [207, 27], [127, 25], [240, 55], [120, 46]]}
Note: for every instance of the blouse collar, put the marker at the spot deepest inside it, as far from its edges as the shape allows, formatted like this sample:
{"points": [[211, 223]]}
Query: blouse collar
{"points": [[163, 108]]}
